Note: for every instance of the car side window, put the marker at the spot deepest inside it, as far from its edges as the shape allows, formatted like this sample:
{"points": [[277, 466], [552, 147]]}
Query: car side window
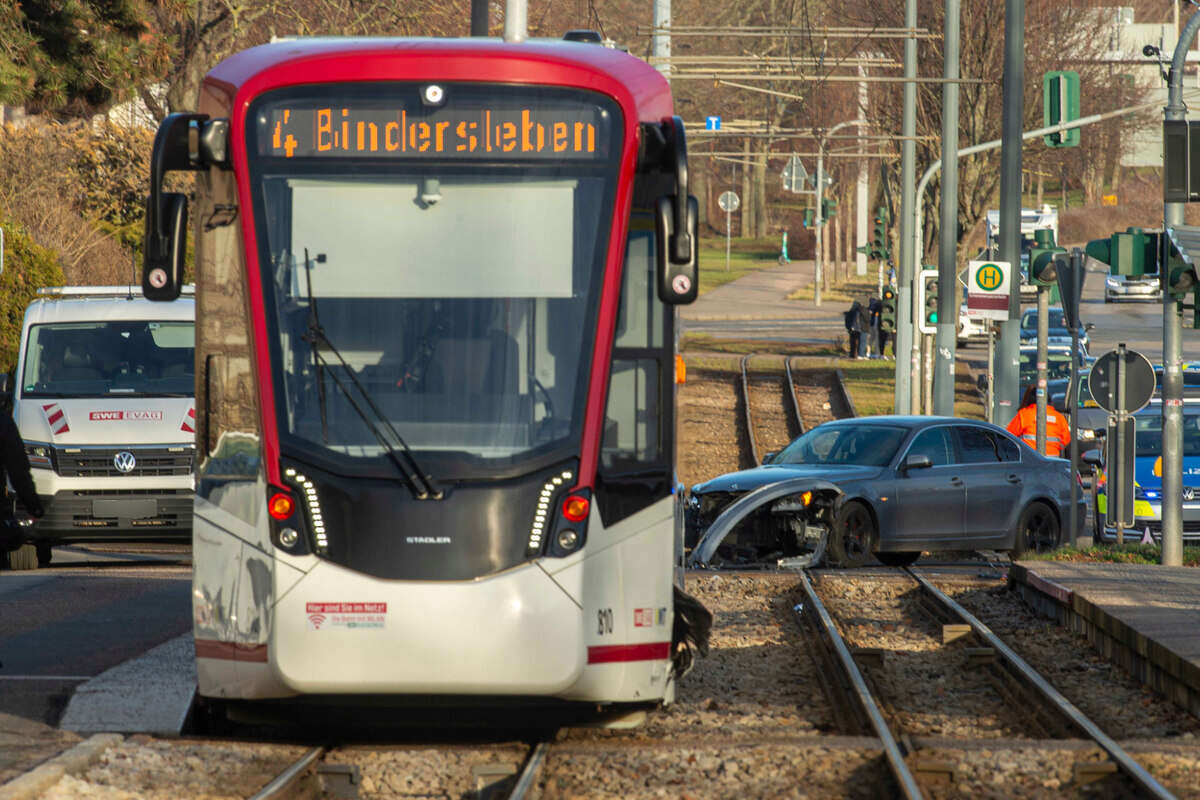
{"points": [[975, 445], [1005, 447], [935, 443]]}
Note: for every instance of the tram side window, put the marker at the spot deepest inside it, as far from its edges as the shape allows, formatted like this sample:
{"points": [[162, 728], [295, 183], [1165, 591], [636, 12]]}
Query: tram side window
{"points": [[632, 432]]}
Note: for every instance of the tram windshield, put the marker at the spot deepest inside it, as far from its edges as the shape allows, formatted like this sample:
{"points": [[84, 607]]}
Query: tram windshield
{"points": [[451, 256]]}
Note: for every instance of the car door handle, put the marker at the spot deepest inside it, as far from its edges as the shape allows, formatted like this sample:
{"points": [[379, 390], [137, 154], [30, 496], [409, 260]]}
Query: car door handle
{"points": [[956, 481], [1014, 478]]}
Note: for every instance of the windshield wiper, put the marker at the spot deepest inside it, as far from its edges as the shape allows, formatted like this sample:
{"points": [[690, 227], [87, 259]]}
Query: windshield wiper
{"points": [[399, 453]]}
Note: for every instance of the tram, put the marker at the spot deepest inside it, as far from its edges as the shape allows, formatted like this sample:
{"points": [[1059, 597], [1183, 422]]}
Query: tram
{"points": [[435, 359]]}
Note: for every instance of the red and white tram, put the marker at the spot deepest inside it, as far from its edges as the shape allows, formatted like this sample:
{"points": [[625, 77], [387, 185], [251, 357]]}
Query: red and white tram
{"points": [[435, 368]]}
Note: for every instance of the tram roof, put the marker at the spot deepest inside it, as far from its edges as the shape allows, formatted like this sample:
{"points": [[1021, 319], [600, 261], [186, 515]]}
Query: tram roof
{"points": [[291, 62]]}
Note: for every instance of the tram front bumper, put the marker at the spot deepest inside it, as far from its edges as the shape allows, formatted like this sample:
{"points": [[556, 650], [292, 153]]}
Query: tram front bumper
{"points": [[338, 632]]}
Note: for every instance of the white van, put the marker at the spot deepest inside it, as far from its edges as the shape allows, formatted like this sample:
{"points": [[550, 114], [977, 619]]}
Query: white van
{"points": [[104, 398]]}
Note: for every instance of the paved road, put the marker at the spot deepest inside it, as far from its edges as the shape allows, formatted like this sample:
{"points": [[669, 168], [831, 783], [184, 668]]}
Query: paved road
{"points": [[92, 609]]}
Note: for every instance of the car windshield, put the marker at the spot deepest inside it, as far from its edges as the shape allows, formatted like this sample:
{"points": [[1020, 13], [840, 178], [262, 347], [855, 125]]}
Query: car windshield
{"points": [[104, 358], [864, 445], [1058, 365], [1148, 434]]}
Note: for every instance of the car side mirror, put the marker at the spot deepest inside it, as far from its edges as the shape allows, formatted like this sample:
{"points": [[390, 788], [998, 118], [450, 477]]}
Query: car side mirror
{"points": [[1089, 326], [1100, 433], [916, 461], [1092, 457], [770, 457]]}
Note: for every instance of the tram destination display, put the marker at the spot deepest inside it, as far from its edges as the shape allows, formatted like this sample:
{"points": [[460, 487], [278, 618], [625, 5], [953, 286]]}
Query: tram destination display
{"points": [[407, 128]]}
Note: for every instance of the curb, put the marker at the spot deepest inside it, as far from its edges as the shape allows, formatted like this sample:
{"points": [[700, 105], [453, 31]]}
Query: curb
{"points": [[33, 784]]}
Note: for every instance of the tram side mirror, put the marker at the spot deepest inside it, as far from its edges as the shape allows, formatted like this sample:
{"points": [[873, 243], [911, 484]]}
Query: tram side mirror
{"points": [[676, 222], [1092, 457], [179, 144]]}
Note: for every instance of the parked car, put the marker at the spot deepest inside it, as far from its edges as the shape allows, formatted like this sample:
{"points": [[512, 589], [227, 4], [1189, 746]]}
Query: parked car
{"points": [[1090, 417], [1129, 287], [1147, 478], [902, 485], [1058, 332]]}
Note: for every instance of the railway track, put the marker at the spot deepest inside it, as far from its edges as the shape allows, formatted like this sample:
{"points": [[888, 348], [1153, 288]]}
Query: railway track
{"points": [[922, 764], [337, 772], [771, 406]]}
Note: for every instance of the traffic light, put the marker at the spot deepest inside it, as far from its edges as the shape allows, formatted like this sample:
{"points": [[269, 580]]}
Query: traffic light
{"points": [[887, 310], [828, 208], [1060, 103], [808, 217], [1042, 268], [880, 249], [927, 300], [1134, 252]]}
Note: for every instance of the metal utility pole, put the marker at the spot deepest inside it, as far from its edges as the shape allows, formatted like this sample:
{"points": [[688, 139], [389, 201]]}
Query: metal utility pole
{"points": [[660, 46], [947, 312], [862, 192], [907, 346], [818, 225], [479, 17], [1008, 376], [516, 21], [1077, 265], [1172, 391], [1043, 334]]}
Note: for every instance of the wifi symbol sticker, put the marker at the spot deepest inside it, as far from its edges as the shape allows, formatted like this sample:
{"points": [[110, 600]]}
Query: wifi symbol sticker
{"points": [[315, 621]]}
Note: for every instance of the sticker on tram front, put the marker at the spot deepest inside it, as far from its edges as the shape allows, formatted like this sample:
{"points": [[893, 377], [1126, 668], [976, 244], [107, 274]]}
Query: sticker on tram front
{"points": [[350, 616]]}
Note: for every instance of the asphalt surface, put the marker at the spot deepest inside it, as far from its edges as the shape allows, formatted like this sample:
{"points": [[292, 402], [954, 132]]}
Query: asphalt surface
{"points": [[92, 609]]}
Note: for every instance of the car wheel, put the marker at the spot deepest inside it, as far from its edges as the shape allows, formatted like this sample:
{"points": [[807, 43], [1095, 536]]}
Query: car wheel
{"points": [[44, 554], [1107, 299], [853, 536], [24, 557], [1037, 531], [902, 559]]}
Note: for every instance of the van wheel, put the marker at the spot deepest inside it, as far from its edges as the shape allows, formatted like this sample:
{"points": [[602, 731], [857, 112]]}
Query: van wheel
{"points": [[24, 557], [44, 554]]}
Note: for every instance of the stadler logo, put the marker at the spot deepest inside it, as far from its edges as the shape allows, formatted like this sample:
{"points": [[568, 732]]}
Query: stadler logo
{"points": [[124, 462]]}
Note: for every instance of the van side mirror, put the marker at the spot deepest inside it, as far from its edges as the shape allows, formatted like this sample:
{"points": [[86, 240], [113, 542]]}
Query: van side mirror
{"points": [[676, 224]]}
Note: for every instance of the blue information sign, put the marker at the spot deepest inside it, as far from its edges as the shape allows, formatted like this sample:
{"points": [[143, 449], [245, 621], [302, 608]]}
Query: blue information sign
{"points": [[712, 123]]}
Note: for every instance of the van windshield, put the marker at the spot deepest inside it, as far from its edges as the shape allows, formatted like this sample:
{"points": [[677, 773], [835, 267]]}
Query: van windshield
{"points": [[131, 358]]}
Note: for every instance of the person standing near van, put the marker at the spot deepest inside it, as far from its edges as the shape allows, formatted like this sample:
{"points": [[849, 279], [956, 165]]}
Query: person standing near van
{"points": [[14, 464], [857, 324], [1024, 425]]}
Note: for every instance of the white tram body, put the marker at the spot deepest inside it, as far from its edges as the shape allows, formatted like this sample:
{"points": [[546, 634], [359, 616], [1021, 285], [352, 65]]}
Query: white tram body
{"points": [[435, 369]]}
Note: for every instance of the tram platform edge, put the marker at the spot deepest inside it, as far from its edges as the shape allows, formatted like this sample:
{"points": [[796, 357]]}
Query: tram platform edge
{"points": [[1139, 616]]}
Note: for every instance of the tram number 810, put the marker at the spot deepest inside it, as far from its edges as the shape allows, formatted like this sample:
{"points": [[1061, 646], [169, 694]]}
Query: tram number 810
{"points": [[604, 621]]}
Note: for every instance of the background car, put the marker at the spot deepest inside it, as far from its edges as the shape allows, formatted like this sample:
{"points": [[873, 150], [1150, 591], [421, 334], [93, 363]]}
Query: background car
{"points": [[1058, 363], [907, 484], [1127, 287], [1147, 477], [1058, 332], [1090, 417]]}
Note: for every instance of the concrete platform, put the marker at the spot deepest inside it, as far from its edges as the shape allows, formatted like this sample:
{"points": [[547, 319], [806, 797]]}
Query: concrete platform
{"points": [[1144, 618]]}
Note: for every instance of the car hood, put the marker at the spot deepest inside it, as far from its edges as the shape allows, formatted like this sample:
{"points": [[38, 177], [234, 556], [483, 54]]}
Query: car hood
{"points": [[750, 479]]}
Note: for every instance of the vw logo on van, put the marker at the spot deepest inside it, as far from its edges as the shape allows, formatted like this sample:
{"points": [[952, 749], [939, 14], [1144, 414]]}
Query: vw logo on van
{"points": [[124, 462], [1189, 493]]}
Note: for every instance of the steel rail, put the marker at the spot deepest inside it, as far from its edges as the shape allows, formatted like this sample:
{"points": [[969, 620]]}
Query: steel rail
{"points": [[286, 780], [749, 413], [904, 777], [791, 389], [1124, 761], [840, 387], [529, 773]]}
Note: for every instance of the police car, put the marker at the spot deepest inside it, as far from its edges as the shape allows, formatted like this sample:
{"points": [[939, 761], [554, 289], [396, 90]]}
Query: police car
{"points": [[1147, 504]]}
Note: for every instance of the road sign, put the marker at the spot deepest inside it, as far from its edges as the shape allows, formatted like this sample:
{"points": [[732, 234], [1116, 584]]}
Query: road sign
{"points": [[1110, 369], [728, 201], [712, 123], [988, 289], [795, 177]]}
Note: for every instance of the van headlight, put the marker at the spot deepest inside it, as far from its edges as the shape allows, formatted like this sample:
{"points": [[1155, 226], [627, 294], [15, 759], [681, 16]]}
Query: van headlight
{"points": [[39, 455]]}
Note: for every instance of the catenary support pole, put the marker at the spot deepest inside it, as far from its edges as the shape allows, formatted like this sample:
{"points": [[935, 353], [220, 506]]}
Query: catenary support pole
{"points": [[661, 41], [1006, 389], [907, 345], [819, 227], [863, 188], [1072, 537], [516, 25], [1172, 391], [479, 17], [1043, 335], [947, 311]]}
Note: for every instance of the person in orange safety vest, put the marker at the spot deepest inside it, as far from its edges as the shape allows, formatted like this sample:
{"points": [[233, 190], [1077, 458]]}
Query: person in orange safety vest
{"points": [[1024, 424]]}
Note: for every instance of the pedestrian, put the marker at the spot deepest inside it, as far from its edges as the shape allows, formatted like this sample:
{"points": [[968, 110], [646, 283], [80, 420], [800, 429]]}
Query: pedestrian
{"points": [[1024, 424], [15, 465], [874, 344], [857, 323]]}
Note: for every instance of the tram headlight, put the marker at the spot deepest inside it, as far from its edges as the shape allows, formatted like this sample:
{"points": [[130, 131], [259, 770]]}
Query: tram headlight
{"points": [[568, 539], [288, 537]]}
